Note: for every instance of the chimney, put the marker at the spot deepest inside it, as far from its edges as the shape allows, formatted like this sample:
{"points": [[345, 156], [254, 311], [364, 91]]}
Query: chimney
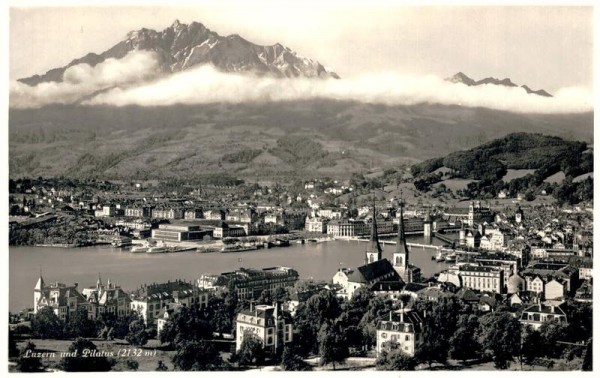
{"points": [[390, 315]]}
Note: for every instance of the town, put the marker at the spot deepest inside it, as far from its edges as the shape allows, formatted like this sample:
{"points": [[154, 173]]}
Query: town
{"points": [[511, 282]]}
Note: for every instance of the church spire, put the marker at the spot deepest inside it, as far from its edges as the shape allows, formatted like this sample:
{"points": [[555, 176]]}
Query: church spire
{"points": [[401, 254], [39, 286], [374, 252], [401, 246]]}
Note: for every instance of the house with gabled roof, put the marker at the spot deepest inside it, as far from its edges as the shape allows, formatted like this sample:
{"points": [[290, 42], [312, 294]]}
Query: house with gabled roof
{"points": [[63, 299], [538, 314]]}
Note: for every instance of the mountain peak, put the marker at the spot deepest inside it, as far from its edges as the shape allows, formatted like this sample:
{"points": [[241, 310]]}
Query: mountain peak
{"points": [[181, 46], [460, 77]]}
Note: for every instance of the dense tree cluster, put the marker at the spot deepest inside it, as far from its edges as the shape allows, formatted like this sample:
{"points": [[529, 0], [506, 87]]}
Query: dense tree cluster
{"points": [[82, 360]]}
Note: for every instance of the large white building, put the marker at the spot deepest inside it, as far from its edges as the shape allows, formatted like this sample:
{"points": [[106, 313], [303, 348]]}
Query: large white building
{"points": [[482, 278], [270, 324], [403, 330]]}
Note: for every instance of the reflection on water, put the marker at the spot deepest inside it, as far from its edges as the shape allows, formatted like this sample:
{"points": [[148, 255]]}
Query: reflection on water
{"points": [[82, 265]]}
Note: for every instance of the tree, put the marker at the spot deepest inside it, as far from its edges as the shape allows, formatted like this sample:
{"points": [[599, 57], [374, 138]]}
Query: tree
{"points": [[500, 333], [132, 365], [137, 335], [531, 342], [46, 325], [550, 333], [332, 345], [27, 361], [291, 361], [112, 326], [218, 315], [197, 356], [318, 309], [187, 324], [265, 297], [251, 351], [161, 366], [432, 349], [79, 325], [13, 351], [393, 358], [463, 344], [85, 358]]}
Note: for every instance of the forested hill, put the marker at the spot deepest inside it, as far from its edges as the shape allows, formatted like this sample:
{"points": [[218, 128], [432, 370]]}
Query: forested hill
{"points": [[516, 163]]}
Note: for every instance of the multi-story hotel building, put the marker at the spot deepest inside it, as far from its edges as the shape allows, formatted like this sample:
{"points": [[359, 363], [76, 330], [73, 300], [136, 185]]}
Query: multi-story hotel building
{"points": [[249, 283], [148, 300], [482, 278]]}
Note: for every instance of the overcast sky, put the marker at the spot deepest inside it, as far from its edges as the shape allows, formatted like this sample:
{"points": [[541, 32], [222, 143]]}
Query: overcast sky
{"points": [[544, 47]]}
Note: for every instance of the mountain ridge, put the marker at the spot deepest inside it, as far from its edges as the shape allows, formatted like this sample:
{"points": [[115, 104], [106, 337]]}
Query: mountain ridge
{"points": [[181, 46], [461, 77]]}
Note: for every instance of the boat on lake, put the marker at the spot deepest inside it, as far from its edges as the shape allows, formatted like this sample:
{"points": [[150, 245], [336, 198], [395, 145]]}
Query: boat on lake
{"points": [[450, 257], [121, 241]]}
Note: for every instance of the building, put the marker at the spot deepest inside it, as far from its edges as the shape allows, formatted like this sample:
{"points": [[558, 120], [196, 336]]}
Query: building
{"points": [[404, 328], [106, 299], [250, 283], [214, 214], [271, 324], [316, 225], [427, 223], [536, 315], [167, 213], [63, 299], [149, 300], [179, 232], [482, 278], [400, 258], [138, 212], [374, 250], [229, 231], [367, 275], [347, 228], [555, 289], [193, 214], [472, 215]]}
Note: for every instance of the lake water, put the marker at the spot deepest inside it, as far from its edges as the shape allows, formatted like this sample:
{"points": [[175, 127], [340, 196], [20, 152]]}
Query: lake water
{"points": [[130, 270]]}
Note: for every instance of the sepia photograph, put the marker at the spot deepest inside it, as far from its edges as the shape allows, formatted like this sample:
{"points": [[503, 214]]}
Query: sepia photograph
{"points": [[250, 186]]}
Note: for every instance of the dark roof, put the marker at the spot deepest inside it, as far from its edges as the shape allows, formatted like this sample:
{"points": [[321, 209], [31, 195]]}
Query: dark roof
{"points": [[467, 295], [374, 271], [387, 286], [542, 308], [412, 322], [414, 286]]}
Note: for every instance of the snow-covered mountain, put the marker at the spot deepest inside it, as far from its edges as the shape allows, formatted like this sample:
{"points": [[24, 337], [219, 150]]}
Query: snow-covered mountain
{"points": [[464, 79], [181, 46]]}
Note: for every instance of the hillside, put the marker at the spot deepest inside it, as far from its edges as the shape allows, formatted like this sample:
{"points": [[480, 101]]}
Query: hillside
{"points": [[253, 140], [517, 163]]}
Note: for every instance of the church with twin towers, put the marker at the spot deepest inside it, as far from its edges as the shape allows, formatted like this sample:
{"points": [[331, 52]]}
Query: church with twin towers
{"points": [[379, 274]]}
